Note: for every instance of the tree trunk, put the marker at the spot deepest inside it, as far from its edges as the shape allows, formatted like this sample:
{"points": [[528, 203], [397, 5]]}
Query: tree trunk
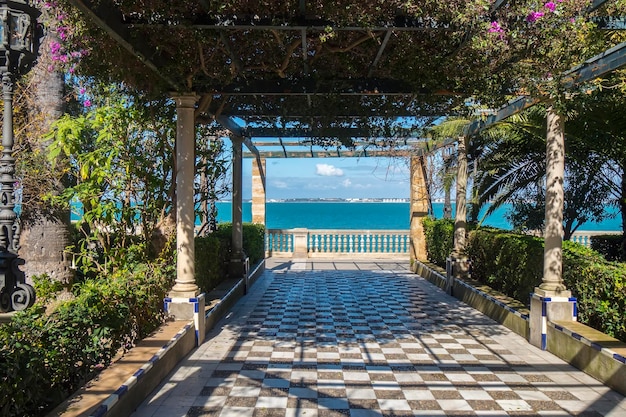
{"points": [[447, 203], [622, 208], [46, 231]]}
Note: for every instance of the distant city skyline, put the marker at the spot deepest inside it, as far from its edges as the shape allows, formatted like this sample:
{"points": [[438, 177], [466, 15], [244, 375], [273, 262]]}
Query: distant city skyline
{"points": [[332, 178]]}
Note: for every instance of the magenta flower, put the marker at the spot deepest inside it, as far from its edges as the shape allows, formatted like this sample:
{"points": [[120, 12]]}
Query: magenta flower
{"points": [[55, 47], [87, 103], [534, 16], [550, 6], [495, 28], [83, 91]]}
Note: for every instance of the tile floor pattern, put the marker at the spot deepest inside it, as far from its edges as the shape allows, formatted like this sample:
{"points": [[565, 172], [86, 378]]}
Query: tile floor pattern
{"points": [[369, 343]]}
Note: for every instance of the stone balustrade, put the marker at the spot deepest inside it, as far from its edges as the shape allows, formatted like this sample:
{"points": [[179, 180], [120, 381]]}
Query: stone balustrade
{"points": [[584, 237], [324, 243]]}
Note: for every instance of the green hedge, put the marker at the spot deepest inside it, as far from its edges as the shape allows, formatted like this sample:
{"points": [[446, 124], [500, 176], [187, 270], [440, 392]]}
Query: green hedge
{"points": [[46, 356], [439, 239], [210, 262], [513, 264], [599, 286], [213, 252], [508, 262], [253, 239], [610, 246]]}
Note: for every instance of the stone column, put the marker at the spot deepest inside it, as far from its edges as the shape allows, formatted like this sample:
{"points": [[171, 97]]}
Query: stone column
{"points": [[552, 281], [236, 269], [419, 208], [185, 286], [258, 190], [184, 302], [552, 301], [458, 257]]}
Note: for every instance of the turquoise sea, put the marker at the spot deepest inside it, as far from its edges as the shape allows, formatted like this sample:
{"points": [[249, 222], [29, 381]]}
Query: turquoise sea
{"points": [[362, 215]]}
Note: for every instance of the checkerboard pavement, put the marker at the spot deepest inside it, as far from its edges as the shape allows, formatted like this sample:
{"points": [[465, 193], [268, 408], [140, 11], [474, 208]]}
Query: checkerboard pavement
{"points": [[369, 343]]}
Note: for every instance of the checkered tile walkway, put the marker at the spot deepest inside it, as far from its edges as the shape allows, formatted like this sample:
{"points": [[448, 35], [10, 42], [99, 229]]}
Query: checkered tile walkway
{"points": [[369, 343]]}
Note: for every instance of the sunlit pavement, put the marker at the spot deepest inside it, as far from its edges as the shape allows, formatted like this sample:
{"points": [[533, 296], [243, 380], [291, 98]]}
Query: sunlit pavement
{"points": [[340, 338]]}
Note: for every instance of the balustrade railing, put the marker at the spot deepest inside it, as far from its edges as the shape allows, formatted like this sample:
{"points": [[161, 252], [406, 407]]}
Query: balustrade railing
{"points": [[385, 243], [313, 243], [584, 237]]}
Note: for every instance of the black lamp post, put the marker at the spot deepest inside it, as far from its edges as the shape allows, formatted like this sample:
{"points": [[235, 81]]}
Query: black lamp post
{"points": [[19, 43]]}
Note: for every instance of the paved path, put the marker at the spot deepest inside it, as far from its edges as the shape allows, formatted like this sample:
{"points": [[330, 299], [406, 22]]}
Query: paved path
{"points": [[368, 339]]}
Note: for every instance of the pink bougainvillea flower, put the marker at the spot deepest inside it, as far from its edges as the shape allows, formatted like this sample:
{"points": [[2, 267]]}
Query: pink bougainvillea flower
{"points": [[495, 28], [550, 6], [534, 16], [83, 91], [87, 103], [55, 47]]}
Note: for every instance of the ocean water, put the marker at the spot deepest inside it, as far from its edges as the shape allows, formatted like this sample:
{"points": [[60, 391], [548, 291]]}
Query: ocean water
{"points": [[364, 216]]}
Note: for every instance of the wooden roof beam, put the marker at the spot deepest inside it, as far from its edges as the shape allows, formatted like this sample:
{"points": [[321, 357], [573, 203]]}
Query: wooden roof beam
{"points": [[237, 130], [328, 132], [332, 153], [383, 45], [344, 87]]}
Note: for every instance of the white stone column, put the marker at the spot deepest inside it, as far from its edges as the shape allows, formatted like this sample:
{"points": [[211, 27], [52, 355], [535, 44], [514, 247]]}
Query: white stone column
{"points": [[551, 301], [236, 269], [185, 285], [184, 302], [555, 172], [458, 257], [258, 190], [419, 208]]}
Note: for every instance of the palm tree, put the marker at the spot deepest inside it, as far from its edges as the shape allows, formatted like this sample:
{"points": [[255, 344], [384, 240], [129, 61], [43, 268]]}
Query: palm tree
{"points": [[513, 167], [46, 229], [509, 167]]}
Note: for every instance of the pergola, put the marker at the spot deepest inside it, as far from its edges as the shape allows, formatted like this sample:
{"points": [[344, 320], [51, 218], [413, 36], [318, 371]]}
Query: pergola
{"points": [[309, 78]]}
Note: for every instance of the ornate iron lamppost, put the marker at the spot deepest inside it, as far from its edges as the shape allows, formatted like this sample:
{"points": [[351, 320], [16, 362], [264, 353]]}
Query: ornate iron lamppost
{"points": [[19, 43]]}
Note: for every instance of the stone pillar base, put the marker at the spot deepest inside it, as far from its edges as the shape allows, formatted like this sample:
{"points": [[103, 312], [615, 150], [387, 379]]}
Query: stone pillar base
{"points": [[300, 244], [188, 309], [544, 309], [238, 267]]}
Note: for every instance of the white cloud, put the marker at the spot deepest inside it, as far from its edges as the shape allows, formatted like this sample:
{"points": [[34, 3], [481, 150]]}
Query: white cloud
{"points": [[280, 184], [346, 183], [326, 170]]}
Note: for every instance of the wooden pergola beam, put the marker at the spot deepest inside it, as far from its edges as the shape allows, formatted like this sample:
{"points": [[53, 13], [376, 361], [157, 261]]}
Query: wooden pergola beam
{"points": [[345, 87], [329, 132], [334, 153]]}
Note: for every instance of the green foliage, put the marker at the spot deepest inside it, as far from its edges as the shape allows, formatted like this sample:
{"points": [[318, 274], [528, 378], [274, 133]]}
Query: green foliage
{"points": [[610, 246], [46, 288], [513, 264], [120, 176], [439, 239], [600, 288], [214, 182], [213, 252], [253, 239], [211, 265], [44, 357], [507, 262]]}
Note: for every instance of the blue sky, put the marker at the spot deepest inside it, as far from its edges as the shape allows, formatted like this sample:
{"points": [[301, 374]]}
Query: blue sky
{"points": [[332, 178]]}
